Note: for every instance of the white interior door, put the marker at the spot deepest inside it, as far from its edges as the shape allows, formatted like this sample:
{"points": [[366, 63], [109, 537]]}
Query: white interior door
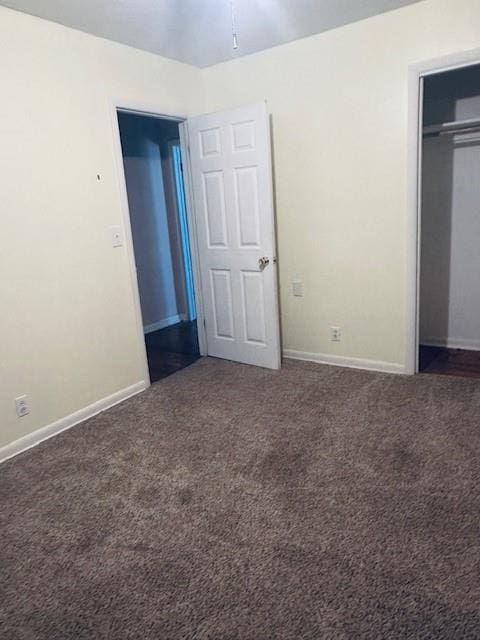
{"points": [[231, 176]]}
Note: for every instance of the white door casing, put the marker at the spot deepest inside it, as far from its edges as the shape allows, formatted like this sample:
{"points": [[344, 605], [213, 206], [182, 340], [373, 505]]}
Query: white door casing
{"points": [[231, 174]]}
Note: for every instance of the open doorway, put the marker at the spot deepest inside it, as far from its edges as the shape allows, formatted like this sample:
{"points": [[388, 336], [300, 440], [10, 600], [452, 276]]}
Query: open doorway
{"points": [[158, 217], [230, 230], [449, 284]]}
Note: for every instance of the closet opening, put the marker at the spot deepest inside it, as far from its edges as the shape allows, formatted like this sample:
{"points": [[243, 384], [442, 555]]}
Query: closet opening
{"points": [[449, 276], [158, 218]]}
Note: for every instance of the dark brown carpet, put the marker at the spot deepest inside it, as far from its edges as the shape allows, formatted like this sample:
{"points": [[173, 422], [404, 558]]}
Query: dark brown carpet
{"points": [[229, 502]]}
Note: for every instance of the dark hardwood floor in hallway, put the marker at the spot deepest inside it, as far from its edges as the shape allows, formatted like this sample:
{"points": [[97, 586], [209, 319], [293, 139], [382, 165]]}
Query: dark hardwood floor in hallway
{"points": [[452, 362], [171, 349]]}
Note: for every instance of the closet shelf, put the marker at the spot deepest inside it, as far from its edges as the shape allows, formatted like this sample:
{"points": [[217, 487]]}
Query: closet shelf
{"points": [[451, 128]]}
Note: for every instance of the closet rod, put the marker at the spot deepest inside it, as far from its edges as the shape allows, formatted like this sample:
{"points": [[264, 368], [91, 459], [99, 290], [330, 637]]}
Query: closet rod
{"points": [[460, 126]]}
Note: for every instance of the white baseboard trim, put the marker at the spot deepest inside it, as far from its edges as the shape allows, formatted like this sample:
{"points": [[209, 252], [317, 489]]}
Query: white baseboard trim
{"points": [[50, 430], [345, 361], [166, 322], [452, 343]]}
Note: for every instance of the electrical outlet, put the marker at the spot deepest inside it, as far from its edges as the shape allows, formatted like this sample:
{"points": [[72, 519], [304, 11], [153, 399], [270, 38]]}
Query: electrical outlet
{"points": [[335, 334], [21, 404], [297, 288]]}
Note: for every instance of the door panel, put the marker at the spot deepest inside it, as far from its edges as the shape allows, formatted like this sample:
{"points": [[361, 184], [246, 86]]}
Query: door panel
{"points": [[214, 207], [246, 206], [253, 307], [232, 188], [221, 297]]}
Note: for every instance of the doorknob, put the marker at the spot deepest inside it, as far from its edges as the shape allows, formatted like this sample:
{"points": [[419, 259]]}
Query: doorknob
{"points": [[263, 262]]}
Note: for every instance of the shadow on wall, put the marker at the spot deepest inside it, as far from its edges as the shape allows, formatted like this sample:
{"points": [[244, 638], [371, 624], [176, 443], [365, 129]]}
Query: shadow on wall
{"points": [[153, 215], [275, 221], [450, 260], [436, 235]]}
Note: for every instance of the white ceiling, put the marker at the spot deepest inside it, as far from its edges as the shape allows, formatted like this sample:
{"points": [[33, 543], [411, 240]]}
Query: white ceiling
{"points": [[199, 31]]}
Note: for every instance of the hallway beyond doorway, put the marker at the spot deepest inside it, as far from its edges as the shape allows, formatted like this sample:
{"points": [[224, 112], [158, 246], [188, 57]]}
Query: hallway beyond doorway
{"points": [[171, 349]]}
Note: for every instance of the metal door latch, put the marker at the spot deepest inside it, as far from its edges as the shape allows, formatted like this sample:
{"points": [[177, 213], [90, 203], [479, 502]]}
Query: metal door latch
{"points": [[263, 262]]}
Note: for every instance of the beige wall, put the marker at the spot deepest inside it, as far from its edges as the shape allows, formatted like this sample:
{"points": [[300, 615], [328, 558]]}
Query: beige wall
{"points": [[67, 326], [339, 109]]}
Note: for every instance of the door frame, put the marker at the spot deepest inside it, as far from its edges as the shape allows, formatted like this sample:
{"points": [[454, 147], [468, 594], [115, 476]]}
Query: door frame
{"points": [[154, 111], [417, 74], [184, 225]]}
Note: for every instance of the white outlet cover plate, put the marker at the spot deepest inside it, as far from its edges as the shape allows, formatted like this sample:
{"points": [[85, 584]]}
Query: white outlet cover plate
{"points": [[21, 405], [335, 334], [297, 288]]}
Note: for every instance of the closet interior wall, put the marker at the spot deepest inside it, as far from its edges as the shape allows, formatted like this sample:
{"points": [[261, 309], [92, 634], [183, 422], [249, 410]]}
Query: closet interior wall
{"points": [[450, 219]]}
